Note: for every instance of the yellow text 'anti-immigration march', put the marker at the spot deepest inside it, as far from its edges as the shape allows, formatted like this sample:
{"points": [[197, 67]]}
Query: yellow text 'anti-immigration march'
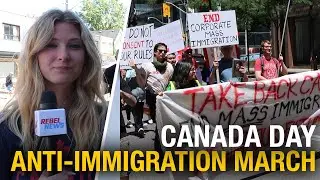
{"points": [[292, 161]]}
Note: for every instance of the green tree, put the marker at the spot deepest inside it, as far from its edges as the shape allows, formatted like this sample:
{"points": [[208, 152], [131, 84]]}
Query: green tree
{"points": [[249, 12], [103, 14]]}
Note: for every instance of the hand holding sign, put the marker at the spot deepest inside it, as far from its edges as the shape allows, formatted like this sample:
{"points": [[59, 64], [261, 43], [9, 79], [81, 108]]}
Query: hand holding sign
{"points": [[242, 70], [280, 58], [132, 64], [215, 64]]}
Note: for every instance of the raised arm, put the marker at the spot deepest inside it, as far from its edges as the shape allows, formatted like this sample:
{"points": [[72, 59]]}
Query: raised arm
{"points": [[212, 77], [141, 75], [128, 98]]}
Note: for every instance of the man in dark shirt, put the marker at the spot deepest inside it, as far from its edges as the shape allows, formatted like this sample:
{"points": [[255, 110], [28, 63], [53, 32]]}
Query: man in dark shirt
{"points": [[139, 94], [9, 83], [108, 77], [225, 66], [126, 98]]}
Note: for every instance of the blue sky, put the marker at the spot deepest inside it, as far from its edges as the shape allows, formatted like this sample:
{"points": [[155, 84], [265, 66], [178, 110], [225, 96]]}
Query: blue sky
{"points": [[37, 7]]}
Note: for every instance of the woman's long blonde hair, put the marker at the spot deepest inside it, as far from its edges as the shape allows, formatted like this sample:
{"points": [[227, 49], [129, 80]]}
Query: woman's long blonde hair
{"points": [[84, 117]]}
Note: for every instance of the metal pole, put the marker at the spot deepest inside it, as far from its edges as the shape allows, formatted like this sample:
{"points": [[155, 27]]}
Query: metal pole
{"points": [[66, 4], [210, 5], [157, 20], [284, 27], [169, 16], [216, 49], [176, 7], [247, 48]]}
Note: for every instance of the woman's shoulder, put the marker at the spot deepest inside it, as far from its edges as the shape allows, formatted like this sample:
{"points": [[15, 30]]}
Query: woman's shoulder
{"points": [[101, 107], [7, 138], [9, 144], [171, 86]]}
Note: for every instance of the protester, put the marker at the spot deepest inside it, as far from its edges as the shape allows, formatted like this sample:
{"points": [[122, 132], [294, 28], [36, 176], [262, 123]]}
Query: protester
{"points": [[139, 94], [126, 107], [126, 98], [9, 83], [314, 60], [187, 55], [171, 58], [108, 77], [183, 77], [268, 67], [154, 76], [202, 68], [59, 55], [225, 65]]}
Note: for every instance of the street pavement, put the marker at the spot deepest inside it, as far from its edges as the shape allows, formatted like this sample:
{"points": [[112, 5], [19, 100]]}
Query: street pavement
{"points": [[133, 142], [4, 98]]}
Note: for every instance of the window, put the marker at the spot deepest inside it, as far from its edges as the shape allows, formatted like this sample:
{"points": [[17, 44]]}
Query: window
{"points": [[11, 32]]}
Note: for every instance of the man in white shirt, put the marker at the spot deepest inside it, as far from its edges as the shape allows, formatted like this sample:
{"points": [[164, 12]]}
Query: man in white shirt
{"points": [[154, 77]]}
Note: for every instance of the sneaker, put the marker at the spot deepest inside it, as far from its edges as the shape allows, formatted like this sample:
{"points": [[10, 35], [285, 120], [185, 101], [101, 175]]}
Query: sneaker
{"points": [[150, 121], [141, 133], [129, 124]]}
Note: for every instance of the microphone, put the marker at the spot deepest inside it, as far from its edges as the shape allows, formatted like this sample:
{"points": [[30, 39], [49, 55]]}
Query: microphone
{"points": [[49, 120]]}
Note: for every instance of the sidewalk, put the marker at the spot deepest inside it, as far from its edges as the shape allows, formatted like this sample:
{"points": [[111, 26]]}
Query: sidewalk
{"points": [[5, 96]]}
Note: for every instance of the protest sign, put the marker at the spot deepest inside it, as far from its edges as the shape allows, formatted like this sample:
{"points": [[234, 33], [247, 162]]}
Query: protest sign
{"points": [[137, 45], [212, 29], [288, 100], [171, 35]]}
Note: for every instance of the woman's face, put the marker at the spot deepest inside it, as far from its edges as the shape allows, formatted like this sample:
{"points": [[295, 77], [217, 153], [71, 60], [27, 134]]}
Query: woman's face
{"points": [[192, 73], [61, 61]]}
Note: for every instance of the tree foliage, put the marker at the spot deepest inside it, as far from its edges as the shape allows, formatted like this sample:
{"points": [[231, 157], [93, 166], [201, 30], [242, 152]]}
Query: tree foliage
{"points": [[103, 14], [249, 12]]}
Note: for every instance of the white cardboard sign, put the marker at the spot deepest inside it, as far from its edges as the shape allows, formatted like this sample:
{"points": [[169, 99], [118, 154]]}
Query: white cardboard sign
{"points": [[171, 35], [138, 45], [212, 29]]}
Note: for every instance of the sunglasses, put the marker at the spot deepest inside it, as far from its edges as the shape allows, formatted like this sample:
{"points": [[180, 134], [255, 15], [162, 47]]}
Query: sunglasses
{"points": [[162, 51]]}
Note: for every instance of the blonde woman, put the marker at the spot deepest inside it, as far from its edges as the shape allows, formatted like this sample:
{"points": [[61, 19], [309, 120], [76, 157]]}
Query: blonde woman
{"points": [[59, 55]]}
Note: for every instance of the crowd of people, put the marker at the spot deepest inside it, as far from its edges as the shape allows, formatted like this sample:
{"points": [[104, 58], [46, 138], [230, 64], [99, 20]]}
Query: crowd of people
{"points": [[166, 73], [142, 84]]}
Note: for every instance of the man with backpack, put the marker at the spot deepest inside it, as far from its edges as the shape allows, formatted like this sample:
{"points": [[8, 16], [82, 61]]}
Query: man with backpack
{"points": [[9, 83], [268, 67]]}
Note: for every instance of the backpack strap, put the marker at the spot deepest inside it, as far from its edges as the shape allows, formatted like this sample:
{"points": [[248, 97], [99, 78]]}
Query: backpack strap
{"points": [[198, 83], [278, 66], [262, 65], [171, 86]]}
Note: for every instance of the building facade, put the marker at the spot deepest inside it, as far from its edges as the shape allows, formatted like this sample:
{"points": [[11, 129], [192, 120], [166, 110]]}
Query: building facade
{"points": [[301, 40], [13, 29], [108, 42]]}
